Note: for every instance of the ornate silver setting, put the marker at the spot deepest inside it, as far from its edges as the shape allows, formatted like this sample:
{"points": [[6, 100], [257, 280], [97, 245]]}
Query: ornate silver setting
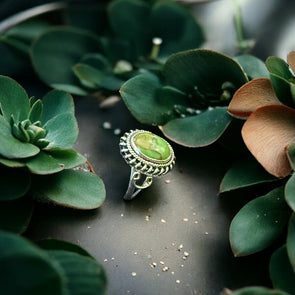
{"points": [[143, 168]]}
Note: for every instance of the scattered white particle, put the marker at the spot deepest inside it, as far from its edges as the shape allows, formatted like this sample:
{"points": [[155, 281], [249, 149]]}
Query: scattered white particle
{"points": [[158, 274], [162, 262], [206, 233], [196, 221], [88, 227], [105, 260], [173, 244], [157, 41], [167, 181], [165, 268], [135, 253], [185, 219], [122, 215], [153, 265], [147, 218], [117, 131], [163, 220], [184, 257], [133, 274], [276, 221], [182, 265], [172, 272], [180, 247], [210, 108], [109, 101], [177, 281], [107, 125], [198, 112], [149, 256], [186, 254], [194, 213]]}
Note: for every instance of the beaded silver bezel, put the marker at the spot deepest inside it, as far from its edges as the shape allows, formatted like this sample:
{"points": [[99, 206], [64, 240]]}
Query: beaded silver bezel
{"points": [[140, 162]]}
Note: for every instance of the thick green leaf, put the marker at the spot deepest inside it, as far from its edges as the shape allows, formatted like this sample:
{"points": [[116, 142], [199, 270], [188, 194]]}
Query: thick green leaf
{"points": [[94, 78], [281, 272], [12, 163], [259, 223], [36, 111], [246, 172], [67, 158], [176, 26], [56, 51], [55, 103], [290, 192], [147, 101], [13, 100], [15, 216], [208, 70], [84, 276], [253, 66], [44, 164], [53, 244], [11, 147], [14, 183], [27, 270], [97, 61], [279, 76], [69, 188], [291, 241], [74, 89], [135, 14], [257, 291], [199, 130], [62, 131]]}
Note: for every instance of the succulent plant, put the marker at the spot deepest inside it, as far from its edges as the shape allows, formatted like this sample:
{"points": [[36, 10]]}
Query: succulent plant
{"points": [[37, 155]]}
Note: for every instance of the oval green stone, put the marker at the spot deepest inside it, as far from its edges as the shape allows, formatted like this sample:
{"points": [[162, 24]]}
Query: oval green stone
{"points": [[152, 146]]}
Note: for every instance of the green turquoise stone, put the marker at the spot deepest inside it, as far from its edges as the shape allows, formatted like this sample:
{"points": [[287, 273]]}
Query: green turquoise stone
{"points": [[152, 146]]}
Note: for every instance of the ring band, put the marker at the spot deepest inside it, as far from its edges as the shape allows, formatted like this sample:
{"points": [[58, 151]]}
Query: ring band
{"points": [[148, 155]]}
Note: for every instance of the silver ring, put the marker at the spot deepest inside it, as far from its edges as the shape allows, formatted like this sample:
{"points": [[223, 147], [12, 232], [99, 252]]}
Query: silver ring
{"points": [[148, 155]]}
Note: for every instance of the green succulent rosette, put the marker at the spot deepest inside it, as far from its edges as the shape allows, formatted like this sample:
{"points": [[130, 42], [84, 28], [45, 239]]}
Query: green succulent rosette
{"points": [[37, 155], [83, 62], [189, 100], [48, 267]]}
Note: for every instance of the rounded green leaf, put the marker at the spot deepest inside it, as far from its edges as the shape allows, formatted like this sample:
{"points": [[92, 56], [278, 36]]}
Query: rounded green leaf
{"points": [[257, 291], [204, 69], [253, 66], [15, 215], [246, 172], [55, 103], [259, 223], [148, 101], [44, 163], [53, 244], [36, 111], [291, 241], [199, 130], [27, 270], [279, 76], [83, 275], [289, 192], [11, 147], [281, 272], [56, 51], [13, 100], [176, 26], [70, 188], [14, 182], [62, 131]]}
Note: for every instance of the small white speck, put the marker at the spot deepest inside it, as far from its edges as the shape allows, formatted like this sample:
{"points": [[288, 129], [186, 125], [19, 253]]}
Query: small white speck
{"points": [[135, 253], [105, 260], [117, 131], [147, 218], [162, 262], [276, 221], [184, 257], [182, 265], [186, 254], [163, 220], [153, 265], [180, 247], [107, 125], [157, 41], [166, 268], [113, 258], [133, 274], [194, 213], [210, 108], [196, 221], [206, 233], [122, 215], [149, 256], [88, 227], [177, 281], [172, 272], [185, 219], [167, 181], [173, 244]]}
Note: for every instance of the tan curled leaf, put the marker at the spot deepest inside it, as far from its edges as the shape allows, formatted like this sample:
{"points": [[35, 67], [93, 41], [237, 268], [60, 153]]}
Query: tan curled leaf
{"points": [[267, 133], [291, 60], [252, 95]]}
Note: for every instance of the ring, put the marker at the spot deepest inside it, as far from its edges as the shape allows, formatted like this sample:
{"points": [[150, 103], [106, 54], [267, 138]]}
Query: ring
{"points": [[148, 155]]}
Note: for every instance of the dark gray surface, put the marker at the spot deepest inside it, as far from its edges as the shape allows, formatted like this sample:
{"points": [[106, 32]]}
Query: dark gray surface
{"points": [[186, 211]]}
